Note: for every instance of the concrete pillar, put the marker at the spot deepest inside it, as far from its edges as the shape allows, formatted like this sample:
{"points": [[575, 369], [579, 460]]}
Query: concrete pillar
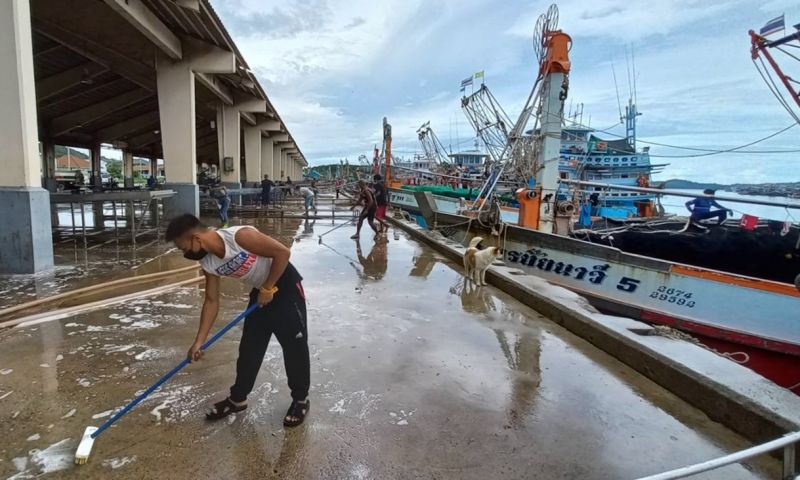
{"points": [[94, 154], [176, 106], [252, 155], [26, 236], [49, 166], [127, 168], [276, 163], [154, 166], [285, 166], [266, 157], [229, 131]]}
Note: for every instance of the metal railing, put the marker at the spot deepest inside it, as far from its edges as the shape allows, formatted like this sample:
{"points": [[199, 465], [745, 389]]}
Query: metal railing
{"points": [[787, 442]]}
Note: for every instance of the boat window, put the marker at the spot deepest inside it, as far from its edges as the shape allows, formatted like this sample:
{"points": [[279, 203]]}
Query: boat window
{"points": [[624, 175], [616, 159]]}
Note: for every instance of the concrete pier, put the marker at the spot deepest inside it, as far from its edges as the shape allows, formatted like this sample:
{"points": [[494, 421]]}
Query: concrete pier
{"points": [[414, 375]]}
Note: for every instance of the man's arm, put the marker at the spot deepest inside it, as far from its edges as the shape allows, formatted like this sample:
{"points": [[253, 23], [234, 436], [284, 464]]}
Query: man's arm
{"points": [[689, 204], [207, 316], [256, 242]]}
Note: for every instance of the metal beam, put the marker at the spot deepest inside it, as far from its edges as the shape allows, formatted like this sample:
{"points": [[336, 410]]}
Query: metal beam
{"points": [[72, 120], [269, 125], [248, 117], [146, 22], [188, 4], [216, 87], [130, 125], [249, 103], [208, 58], [120, 64], [279, 137], [145, 139], [55, 84]]}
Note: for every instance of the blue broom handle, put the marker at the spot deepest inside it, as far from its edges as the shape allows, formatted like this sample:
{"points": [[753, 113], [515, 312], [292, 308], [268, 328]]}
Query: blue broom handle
{"points": [[172, 372]]}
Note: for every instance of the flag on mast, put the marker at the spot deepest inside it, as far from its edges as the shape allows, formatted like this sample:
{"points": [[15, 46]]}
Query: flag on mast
{"points": [[479, 75], [466, 82], [775, 25]]}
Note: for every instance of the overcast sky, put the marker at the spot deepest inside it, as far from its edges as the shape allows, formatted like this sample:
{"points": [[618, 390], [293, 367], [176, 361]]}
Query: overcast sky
{"points": [[334, 68]]}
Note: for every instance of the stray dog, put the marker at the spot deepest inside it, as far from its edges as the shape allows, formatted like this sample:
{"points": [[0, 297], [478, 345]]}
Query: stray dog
{"points": [[476, 262]]}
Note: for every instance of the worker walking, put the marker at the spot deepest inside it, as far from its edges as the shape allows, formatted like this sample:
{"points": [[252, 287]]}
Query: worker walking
{"points": [[220, 194], [266, 190], [262, 263]]}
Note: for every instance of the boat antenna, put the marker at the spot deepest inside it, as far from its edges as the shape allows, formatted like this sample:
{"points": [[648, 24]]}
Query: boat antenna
{"points": [[616, 87], [633, 66]]}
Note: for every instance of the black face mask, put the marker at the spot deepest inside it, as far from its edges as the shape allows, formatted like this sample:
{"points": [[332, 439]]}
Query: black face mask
{"points": [[190, 255]]}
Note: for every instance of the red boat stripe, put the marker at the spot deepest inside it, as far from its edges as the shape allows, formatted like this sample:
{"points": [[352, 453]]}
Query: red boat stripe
{"points": [[716, 332]]}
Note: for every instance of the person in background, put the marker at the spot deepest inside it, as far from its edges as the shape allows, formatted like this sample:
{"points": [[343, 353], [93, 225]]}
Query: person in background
{"points": [[382, 202], [220, 194], [700, 208], [266, 190], [288, 180], [152, 183], [367, 199], [339, 184], [308, 198], [79, 178], [262, 263]]}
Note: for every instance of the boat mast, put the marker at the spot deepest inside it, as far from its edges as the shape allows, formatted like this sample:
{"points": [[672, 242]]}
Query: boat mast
{"points": [[387, 146], [538, 206]]}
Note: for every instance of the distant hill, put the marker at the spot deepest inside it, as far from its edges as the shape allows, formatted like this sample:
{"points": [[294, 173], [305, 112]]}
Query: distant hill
{"points": [[677, 183], [62, 150]]}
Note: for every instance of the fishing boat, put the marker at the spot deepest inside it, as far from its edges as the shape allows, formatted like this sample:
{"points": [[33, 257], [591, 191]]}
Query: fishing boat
{"points": [[752, 321]]}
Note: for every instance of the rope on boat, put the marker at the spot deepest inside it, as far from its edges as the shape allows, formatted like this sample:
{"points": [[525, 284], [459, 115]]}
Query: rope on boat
{"points": [[741, 358]]}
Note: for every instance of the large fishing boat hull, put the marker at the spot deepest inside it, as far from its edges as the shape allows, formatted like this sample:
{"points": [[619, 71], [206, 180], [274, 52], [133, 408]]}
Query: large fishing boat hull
{"points": [[751, 321]]}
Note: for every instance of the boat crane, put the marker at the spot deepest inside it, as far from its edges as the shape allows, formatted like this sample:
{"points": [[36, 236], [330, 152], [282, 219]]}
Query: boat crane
{"points": [[761, 48], [431, 145]]}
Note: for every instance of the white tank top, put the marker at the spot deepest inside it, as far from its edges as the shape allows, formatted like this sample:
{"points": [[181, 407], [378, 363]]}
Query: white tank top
{"points": [[237, 263]]}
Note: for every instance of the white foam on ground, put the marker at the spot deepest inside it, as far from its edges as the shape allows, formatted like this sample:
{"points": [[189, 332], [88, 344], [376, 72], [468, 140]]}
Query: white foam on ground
{"points": [[70, 413], [45, 365], [102, 414], [34, 437], [57, 456], [180, 396], [143, 325], [149, 354], [338, 407], [20, 463], [84, 382], [119, 348], [6, 371], [116, 463], [59, 357], [6, 394]]}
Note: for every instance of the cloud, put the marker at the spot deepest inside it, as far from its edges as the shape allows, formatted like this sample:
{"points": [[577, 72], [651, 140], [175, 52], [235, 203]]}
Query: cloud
{"points": [[335, 68]]}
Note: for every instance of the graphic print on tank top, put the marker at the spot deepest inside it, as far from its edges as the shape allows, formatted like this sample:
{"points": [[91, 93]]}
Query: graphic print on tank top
{"points": [[237, 266]]}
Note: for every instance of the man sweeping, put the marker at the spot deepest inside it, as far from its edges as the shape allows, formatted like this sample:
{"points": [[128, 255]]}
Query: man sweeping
{"points": [[367, 199], [260, 262]]}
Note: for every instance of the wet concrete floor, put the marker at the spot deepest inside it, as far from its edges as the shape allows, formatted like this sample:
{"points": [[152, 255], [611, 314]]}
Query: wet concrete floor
{"points": [[414, 375]]}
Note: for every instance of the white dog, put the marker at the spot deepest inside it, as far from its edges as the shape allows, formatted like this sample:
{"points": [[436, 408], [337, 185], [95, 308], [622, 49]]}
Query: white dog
{"points": [[476, 262]]}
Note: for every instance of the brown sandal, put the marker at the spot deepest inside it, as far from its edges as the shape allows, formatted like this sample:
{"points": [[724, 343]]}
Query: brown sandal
{"points": [[223, 409]]}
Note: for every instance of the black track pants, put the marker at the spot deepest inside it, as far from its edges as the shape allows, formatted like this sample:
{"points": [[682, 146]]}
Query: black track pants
{"points": [[285, 317]]}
